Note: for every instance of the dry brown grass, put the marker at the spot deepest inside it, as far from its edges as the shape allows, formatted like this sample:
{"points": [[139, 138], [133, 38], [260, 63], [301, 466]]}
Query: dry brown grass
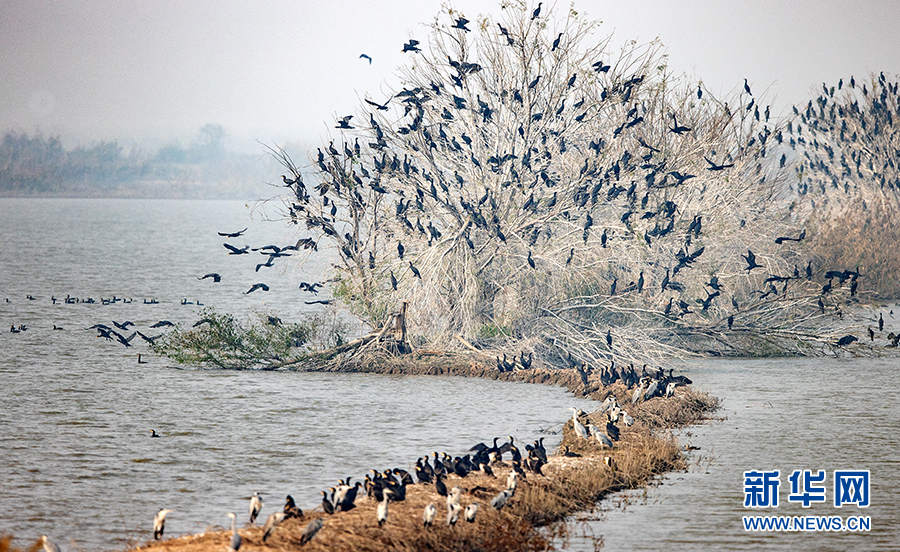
{"points": [[6, 546]]}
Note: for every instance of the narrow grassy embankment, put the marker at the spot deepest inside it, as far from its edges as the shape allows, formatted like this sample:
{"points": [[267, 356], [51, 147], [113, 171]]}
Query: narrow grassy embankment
{"points": [[532, 517]]}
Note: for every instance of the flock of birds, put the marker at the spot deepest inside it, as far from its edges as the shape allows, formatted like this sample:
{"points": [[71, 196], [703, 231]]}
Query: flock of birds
{"points": [[846, 143], [352, 180], [440, 470], [390, 485], [271, 252], [118, 332]]}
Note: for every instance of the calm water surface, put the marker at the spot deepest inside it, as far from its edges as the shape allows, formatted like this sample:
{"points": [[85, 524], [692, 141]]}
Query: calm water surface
{"points": [[76, 460], [77, 464], [786, 415]]}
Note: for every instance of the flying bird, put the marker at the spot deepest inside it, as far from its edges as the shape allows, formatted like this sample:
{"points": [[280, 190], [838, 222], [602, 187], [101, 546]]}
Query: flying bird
{"points": [[344, 122], [751, 261], [364, 56], [235, 251], [411, 46], [213, 275], [232, 234], [715, 167], [378, 106], [255, 287], [461, 24]]}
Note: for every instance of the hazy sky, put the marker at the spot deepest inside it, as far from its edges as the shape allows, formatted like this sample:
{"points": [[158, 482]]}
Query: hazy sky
{"points": [[279, 70]]}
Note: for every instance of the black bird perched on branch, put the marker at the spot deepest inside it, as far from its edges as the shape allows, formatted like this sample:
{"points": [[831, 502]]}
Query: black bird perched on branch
{"points": [[415, 270], [537, 12], [530, 260], [846, 340], [556, 43]]}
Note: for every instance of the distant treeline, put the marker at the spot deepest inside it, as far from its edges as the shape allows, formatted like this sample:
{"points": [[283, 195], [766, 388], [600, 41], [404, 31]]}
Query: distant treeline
{"points": [[42, 166]]}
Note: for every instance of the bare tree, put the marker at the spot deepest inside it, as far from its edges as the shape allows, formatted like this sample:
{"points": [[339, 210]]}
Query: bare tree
{"points": [[527, 182]]}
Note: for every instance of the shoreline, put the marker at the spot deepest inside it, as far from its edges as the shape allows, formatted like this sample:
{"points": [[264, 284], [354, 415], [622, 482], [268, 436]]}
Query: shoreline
{"points": [[535, 514]]}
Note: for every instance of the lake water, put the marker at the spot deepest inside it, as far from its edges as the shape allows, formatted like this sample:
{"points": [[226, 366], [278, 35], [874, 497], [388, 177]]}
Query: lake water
{"points": [[783, 414], [76, 459], [77, 463]]}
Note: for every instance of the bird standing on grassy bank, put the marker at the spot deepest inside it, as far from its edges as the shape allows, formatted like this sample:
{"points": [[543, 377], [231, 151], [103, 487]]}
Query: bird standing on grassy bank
{"points": [[579, 429], [273, 521], [159, 523], [429, 515], [311, 531], [381, 512], [256, 505], [48, 545], [235, 537]]}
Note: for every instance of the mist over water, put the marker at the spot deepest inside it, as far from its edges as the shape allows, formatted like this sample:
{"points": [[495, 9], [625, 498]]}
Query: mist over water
{"points": [[77, 462]]}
